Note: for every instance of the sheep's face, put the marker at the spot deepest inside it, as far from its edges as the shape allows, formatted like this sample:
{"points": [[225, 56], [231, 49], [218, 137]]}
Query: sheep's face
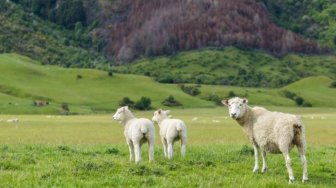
{"points": [[159, 115], [120, 115], [237, 107]]}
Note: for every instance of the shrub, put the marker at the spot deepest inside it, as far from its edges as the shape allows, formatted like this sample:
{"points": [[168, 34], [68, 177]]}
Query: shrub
{"points": [[143, 104], [110, 73], [79, 76], [170, 101], [299, 101], [65, 109], [231, 94], [333, 84], [126, 102], [289, 94], [307, 104], [191, 90], [215, 98]]}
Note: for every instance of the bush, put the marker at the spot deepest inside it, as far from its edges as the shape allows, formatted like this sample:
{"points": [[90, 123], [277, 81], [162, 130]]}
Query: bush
{"points": [[126, 102], [333, 84], [110, 73], [215, 98], [231, 94], [307, 104], [65, 109], [170, 101], [299, 101], [191, 90], [143, 104], [289, 94]]}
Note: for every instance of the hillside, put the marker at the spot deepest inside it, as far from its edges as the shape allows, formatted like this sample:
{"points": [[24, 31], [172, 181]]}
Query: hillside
{"points": [[89, 91], [156, 27], [314, 19], [231, 66], [22, 81], [25, 33], [82, 33], [313, 90]]}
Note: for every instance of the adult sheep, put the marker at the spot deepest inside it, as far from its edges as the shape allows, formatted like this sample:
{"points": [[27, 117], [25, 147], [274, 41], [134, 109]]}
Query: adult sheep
{"points": [[136, 131], [272, 132], [171, 130]]}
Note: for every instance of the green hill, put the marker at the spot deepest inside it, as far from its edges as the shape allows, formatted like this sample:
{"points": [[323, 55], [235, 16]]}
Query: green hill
{"points": [[232, 66], [314, 90], [22, 80]]}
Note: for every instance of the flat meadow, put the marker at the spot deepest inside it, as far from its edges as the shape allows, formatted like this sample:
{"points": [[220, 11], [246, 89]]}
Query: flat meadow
{"points": [[90, 151]]}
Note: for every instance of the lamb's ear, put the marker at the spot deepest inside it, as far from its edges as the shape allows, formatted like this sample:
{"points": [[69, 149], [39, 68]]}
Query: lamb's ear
{"points": [[245, 101], [225, 102], [167, 112]]}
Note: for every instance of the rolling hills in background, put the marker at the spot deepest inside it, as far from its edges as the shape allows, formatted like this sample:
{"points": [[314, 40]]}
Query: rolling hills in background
{"points": [[24, 80], [216, 42]]}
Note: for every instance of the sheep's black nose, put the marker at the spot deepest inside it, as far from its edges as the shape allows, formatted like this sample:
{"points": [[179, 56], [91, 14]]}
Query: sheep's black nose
{"points": [[233, 115]]}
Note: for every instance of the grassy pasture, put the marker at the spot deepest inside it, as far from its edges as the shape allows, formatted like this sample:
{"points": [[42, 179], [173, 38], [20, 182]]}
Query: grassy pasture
{"points": [[89, 151]]}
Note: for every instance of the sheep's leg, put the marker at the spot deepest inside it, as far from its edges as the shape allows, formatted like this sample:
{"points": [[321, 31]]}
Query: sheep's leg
{"points": [[304, 163], [151, 150], [137, 151], [183, 146], [256, 164], [170, 148], [131, 149], [264, 167], [164, 143], [289, 166]]}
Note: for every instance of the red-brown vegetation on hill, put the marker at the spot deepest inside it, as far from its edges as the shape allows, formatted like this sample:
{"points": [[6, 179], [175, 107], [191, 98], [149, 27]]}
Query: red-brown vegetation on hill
{"points": [[156, 27]]}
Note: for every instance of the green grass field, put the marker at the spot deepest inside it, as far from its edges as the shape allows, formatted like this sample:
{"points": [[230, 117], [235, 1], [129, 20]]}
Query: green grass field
{"points": [[89, 151]]}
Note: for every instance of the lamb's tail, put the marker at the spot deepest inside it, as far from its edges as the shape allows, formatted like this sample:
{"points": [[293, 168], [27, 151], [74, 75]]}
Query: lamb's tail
{"points": [[298, 129], [299, 134], [179, 127], [144, 129]]}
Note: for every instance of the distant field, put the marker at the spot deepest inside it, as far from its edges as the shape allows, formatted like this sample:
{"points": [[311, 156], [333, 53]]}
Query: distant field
{"points": [[89, 151]]}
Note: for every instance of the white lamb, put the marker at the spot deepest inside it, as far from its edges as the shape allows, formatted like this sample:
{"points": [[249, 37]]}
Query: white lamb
{"points": [[171, 130], [272, 132], [136, 131]]}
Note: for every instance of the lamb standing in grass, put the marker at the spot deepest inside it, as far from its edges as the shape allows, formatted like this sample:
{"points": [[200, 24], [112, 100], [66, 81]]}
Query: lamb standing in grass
{"points": [[171, 130], [136, 131], [272, 132]]}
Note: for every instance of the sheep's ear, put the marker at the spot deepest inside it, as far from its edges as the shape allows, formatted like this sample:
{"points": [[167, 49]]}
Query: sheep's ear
{"points": [[245, 101], [167, 111], [225, 102], [159, 111], [125, 108]]}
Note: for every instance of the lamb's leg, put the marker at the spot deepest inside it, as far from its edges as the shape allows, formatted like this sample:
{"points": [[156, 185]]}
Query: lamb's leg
{"points": [[137, 151], [302, 151], [289, 166], [131, 149], [170, 148], [183, 146], [164, 143], [264, 167], [256, 164], [151, 150]]}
